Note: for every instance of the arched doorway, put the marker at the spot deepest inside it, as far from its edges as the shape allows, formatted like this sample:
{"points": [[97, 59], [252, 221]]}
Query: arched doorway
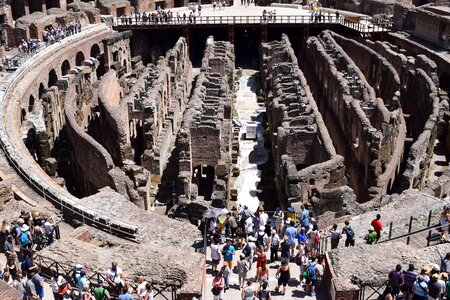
{"points": [[444, 81], [79, 59], [203, 176], [41, 90], [95, 50], [52, 78], [31, 104], [65, 67]]}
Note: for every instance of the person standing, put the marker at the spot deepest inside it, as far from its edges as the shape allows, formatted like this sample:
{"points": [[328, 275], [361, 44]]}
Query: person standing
{"points": [[38, 281], [279, 219], [377, 226], [248, 292], [349, 233], [335, 237], [420, 290], [228, 253], [409, 277], [100, 293], [283, 274], [264, 293], [125, 295], [291, 233], [55, 283], [225, 270], [148, 293], [274, 245], [262, 274], [262, 216], [218, 286], [215, 256], [371, 237], [115, 277], [304, 216], [396, 280], [242, 268]]}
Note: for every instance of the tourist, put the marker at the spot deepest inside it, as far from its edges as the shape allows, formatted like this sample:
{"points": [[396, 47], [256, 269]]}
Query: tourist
{"points": [[262, 240], [335, 237], [100, 293], [248, 226], [283, 274], [8, 248], [304, 216], [396, 280], [261, 256], [425, 272], [274, 245], [302, 260], [7, 278], [24, 237], [242, 269], [19, 284], [226, 271], [349, 233], [30, 289], [55, 283], [49, 229], [249, 251], [148, 295], [125, 295], [443, 222], [279, 220], [262, 273], [240, 234], [291, 233], [215, 256], [387, 294], [27, 265], [409, 277], [311, 279], [285, 249], [12, 268], [115, 277], [377, 226], [248, 292], [228, 253], [262, 216], [141, 289], [445, 263], [420, 290], [301, 239], [314, 239], [371, 237], [82, 281], [319, 268], [86, 294], [232, 225], [218, 286], [436, 287], [263, 293]]}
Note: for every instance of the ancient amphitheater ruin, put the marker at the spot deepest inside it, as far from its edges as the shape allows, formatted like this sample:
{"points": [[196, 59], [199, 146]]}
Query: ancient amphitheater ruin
{"points": [[128, 129]]}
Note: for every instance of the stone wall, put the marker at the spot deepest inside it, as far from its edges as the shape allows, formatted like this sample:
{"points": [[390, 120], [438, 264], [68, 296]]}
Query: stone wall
{"points": [[362, 128], [303, 154], [205, 136]]}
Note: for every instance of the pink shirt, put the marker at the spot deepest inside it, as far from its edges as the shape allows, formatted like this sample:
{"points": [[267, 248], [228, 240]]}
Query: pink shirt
{"points": [[218, 282]]}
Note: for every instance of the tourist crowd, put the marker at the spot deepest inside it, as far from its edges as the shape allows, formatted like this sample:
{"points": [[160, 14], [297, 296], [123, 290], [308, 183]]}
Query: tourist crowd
{"points": [[262, 241], [431, 283]]}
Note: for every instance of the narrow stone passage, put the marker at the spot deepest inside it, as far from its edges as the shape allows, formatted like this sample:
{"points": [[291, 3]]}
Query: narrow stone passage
{"points": [[251, 152]]}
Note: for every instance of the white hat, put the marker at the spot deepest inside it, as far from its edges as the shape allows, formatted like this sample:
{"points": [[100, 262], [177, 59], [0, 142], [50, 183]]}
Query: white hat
{"points": [[20, 221], [79, 266]]}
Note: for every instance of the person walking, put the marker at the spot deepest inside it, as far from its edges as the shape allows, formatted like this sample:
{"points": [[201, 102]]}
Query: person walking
{"points": [[377, 226], [335, 237], [274, 245], [264, 293], [409, 277], [420, 290], [225, 270], [262, 274], [291, 233], [349, 233], [283, 274], [228, 253], [215, 256], [218, 286], [242, 268], [371, 237], [248, 292], [396, 280]]}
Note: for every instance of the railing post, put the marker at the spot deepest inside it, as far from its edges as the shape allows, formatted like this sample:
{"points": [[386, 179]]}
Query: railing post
{"points": [[390, 230], [429, 218], [428, 238], [409, 229]]}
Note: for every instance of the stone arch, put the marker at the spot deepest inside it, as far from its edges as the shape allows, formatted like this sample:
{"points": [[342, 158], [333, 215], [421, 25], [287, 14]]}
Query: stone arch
{"points": [[41, 90], [31, 103], [35, 5], [18, 9], [95, 50], [52, 78], [79, 59], [52, 3], [65, 67], [115, 56]]}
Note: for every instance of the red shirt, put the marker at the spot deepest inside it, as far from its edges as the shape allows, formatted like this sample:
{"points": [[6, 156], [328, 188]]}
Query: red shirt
{"points": [[377, 226]]}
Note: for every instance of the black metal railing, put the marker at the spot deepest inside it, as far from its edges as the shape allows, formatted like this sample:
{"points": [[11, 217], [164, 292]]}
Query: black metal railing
{"points": [[362, 24], [370, 291], [161, 290]]}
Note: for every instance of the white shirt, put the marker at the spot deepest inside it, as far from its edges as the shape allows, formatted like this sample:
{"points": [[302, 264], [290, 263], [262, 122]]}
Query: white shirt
{"points": [[55, 283], [115, 276], [275, 239], [48, 227], [249, 225], [263, 219], [215, 252], [141, 289]]}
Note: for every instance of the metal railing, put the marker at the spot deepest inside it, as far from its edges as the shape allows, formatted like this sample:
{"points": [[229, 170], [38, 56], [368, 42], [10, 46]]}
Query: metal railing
{"points": [[363, 24], [162, 290], [371, 292]]}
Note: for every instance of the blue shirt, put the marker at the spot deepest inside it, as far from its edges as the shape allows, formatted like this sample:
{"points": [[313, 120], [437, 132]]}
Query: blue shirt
{"points": [[125, 297], [229, 253], [420, 288], [301, 237], [304, 218], [291, 233]]}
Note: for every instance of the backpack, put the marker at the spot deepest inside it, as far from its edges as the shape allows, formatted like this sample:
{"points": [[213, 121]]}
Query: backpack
{"points": [[393, 282], [311, 272], [246, 250], [23, 238], [350, 233], [300, 259], [317, 239], [263, 295]]}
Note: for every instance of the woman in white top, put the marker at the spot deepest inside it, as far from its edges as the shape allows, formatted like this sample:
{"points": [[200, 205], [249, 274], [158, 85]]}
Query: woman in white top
{"points": [[215, 255], [141, 287]]}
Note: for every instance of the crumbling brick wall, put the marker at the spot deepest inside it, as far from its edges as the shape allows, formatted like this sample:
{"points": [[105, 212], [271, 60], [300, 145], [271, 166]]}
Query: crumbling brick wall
{"points": [[304, 155]]}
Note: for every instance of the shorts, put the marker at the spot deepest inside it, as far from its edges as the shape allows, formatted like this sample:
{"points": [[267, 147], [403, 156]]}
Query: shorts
{"points": [[283, 281], [310, 281], [220, 296], [215, 261], [40, 291]]}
